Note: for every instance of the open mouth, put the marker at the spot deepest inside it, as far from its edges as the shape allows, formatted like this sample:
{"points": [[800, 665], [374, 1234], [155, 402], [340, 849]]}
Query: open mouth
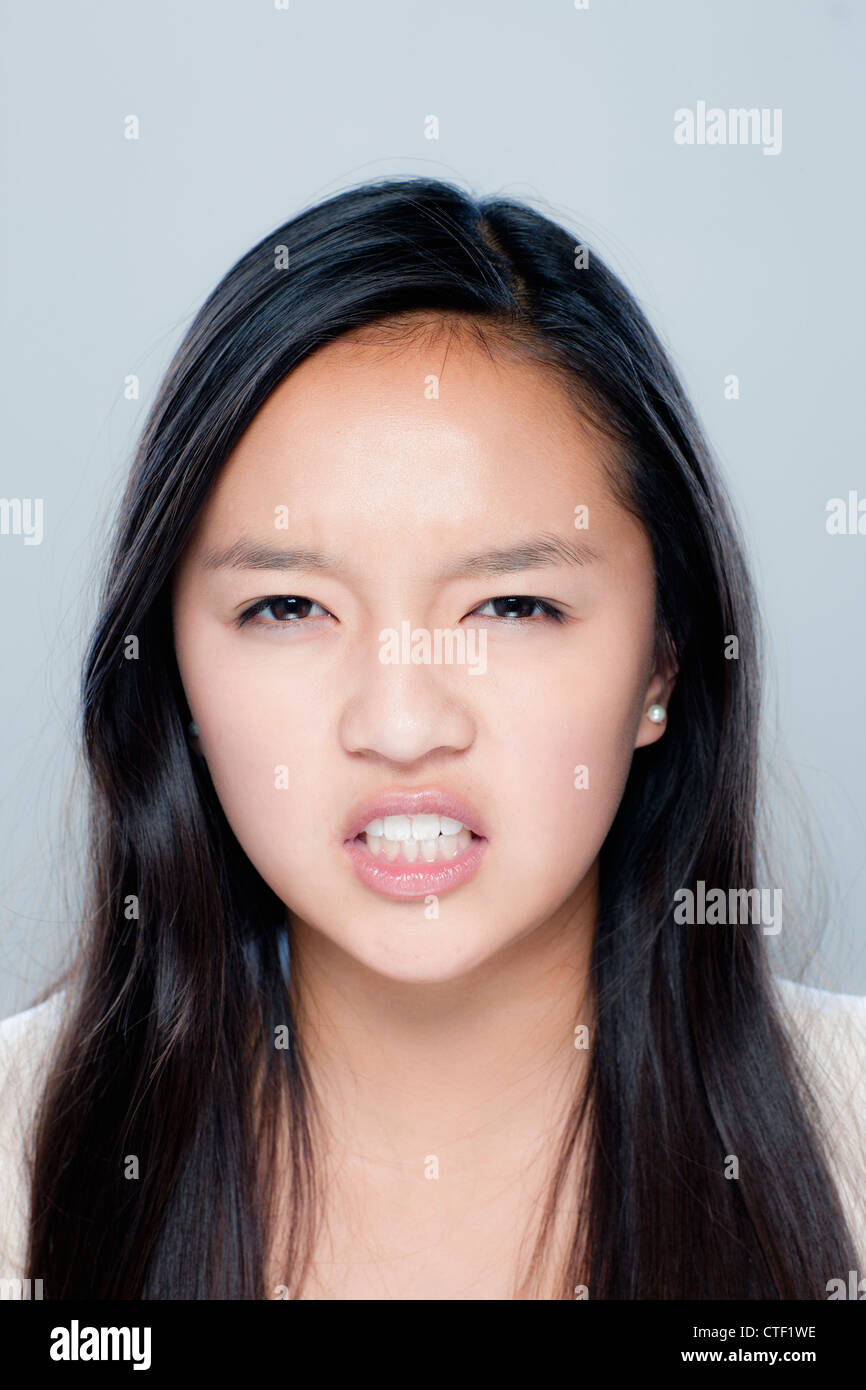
{"points": [[413, 868], [430, 849], [405, 853]]}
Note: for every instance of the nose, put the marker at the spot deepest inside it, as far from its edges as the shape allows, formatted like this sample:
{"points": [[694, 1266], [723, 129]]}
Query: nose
{"points": [[405, 713]]}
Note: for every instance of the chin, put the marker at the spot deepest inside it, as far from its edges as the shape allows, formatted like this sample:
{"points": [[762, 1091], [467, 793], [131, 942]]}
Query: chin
{"points": [[419, 952]]}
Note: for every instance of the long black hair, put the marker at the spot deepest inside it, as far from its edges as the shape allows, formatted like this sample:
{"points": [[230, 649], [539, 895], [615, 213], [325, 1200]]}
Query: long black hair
{"points": [[182, 977]]}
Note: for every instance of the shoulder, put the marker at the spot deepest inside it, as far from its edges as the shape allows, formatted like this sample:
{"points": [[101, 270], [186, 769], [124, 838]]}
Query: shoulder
{"points": [[32, 1023], [26, 1050], [828, 1032], [820, 1019], [26, 1044], [829, 1036]]}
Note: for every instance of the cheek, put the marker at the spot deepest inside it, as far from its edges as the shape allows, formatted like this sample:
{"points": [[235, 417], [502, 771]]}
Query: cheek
{"points": [[566, 761], [261, 751]]}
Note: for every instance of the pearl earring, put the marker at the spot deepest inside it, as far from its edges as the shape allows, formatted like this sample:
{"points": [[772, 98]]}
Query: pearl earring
{"points": [[657, 713]]}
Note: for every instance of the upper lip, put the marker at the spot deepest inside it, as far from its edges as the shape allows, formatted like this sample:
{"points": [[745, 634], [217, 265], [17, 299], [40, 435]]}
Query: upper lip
{"points": [[427, 801]]}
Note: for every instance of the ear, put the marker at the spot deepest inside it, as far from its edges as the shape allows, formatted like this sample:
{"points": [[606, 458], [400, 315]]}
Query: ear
{"points": [[658, 692]]}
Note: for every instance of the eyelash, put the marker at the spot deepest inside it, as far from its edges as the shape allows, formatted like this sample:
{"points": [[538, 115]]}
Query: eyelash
{"points": [[549, 610]]}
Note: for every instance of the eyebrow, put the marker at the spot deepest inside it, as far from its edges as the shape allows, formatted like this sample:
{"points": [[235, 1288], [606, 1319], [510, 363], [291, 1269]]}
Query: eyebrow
{"points": [[533, 553]]}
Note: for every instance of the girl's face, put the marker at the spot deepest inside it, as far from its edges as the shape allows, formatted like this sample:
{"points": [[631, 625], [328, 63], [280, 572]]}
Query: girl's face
{"points": [[365, 625]]}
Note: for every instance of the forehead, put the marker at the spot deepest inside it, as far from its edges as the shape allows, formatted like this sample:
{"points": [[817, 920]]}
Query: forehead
{"points": [[423, 436]]}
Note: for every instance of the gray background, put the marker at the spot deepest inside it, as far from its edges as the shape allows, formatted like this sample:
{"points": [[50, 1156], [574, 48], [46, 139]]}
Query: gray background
{"points": [[745, 263]]}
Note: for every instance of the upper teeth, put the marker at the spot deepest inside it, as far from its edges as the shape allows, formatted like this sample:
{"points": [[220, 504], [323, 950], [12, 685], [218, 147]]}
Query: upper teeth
{"points": [[413, 827]]}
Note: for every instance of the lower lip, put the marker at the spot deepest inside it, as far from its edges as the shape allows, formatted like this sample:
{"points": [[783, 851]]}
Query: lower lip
{"points": [[396, 880]]}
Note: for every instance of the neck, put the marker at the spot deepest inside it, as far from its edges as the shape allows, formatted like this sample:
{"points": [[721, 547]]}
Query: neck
{"points": [[476, 1071]]}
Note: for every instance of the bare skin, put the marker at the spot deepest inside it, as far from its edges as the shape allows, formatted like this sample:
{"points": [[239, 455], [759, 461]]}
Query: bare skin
{"points": [[442, 1050]]}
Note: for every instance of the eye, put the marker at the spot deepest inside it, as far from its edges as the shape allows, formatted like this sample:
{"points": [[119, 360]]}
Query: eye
{"points": [[519, 608], [284, 609]]}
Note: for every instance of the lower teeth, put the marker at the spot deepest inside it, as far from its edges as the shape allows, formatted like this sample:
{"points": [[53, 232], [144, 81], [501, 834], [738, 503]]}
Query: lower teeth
{"points": [[413, 851]]}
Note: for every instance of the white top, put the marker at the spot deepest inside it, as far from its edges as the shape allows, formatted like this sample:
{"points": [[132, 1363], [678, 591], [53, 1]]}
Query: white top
{"points": [[829, 1032]]}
